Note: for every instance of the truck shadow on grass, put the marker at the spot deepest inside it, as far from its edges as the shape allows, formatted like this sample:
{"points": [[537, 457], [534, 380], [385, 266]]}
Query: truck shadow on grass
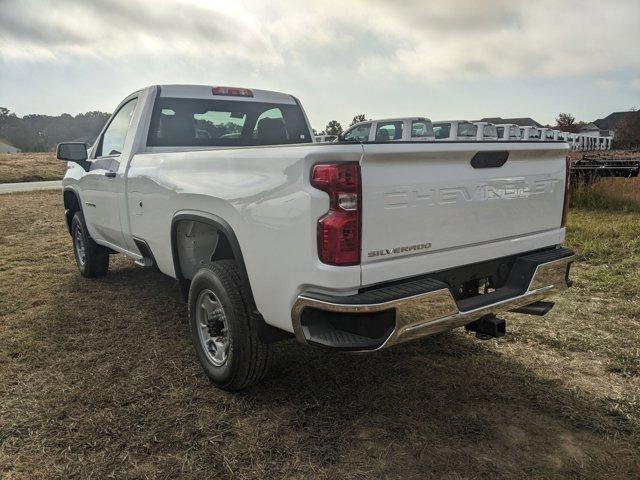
{"points": [[444, 406]]}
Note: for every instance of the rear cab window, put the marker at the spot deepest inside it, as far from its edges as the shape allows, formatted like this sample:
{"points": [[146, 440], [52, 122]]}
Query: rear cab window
{"points": [[191, 122], [421, 128], [467, 130], [515, 133], [442, 130], [490, 131]]}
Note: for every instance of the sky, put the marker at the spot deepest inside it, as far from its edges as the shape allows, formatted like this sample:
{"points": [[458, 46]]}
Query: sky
{"points": [[454, 59]]}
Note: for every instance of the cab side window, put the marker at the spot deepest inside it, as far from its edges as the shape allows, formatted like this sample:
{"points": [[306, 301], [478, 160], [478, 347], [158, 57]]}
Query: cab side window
{"points": [[389, 131], [112, 142], [358, 134]]}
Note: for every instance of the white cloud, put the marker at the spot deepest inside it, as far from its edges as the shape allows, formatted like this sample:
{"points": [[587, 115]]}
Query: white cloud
{"points": [[428, 40], [341, 57]]}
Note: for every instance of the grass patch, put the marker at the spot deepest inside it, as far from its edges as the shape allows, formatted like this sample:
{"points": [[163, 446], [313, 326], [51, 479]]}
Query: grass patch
{"points": [[98, 379], [610, 194], [30, 167]]}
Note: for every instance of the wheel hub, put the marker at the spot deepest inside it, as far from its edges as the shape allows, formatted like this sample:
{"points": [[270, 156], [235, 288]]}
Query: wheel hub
{"points": [[212, 328], [80, 249]]}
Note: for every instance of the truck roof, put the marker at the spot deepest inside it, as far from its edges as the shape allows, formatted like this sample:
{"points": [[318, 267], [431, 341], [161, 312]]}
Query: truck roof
{"points": [[395, 119], [205, 92]]}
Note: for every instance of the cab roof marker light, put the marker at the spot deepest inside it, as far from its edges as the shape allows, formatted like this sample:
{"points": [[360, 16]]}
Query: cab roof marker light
{"points": [[232, 91]]}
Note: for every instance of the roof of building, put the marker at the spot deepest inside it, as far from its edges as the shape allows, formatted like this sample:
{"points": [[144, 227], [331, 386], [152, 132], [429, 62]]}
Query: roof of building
{"points": [[521, 121], [611, 121], [589, 127]]}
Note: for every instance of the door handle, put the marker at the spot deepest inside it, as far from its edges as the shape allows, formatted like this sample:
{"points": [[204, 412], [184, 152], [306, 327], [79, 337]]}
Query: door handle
{"points": [[110, 174]]}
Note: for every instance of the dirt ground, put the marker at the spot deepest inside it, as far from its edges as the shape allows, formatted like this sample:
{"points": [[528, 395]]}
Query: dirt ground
{"points": [[30, 167], [98, 379]]}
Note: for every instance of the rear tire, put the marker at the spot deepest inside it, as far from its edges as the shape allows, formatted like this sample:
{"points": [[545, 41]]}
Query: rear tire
{"points": [[223, 333], [92, 259]]}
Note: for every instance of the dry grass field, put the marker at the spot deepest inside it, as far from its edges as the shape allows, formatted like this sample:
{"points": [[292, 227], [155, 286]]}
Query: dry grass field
{"points": [[30, 167], [98, 380]]}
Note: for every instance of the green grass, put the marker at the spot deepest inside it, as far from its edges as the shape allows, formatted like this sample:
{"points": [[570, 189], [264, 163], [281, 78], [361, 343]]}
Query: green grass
{"points": [[98, 379]]}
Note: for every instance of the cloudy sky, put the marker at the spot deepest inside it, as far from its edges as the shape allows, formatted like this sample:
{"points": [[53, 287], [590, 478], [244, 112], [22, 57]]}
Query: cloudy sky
{"points": [[441, 59]]}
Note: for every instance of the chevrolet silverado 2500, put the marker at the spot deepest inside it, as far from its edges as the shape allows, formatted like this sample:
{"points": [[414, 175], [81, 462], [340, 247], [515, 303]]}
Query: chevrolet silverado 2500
{"points": [[348, 246]]}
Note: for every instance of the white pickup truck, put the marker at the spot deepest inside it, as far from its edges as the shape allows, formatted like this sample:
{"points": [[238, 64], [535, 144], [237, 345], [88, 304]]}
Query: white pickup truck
{"points": [[348, 246]]}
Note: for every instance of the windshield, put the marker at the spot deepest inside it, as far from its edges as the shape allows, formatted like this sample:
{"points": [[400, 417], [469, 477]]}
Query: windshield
{"points": [[187, 122]]}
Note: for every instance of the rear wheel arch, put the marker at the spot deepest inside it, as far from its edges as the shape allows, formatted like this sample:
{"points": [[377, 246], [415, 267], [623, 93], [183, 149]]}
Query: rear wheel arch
{"points": [[224, 246]]}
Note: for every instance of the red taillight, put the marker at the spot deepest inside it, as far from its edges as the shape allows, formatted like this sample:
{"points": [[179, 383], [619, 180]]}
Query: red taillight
{"points": [[339, 230], [232, 91], [567, 184]]}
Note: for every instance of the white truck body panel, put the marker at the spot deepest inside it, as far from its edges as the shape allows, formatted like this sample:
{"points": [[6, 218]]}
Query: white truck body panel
{"points": [[412, 193], [430, 194]]}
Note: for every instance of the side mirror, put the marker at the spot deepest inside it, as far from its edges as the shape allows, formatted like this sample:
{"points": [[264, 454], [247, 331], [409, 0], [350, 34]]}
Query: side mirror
{"points": [[75, 152]]}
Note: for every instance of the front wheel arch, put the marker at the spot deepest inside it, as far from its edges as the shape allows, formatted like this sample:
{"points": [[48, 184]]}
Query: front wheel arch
{"points": [[71, 205]]}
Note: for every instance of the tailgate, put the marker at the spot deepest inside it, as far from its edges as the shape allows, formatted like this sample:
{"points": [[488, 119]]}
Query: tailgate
{"points": [[425, 207]]}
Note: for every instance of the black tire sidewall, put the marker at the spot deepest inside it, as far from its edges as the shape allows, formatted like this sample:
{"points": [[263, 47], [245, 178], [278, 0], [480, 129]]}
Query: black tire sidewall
{"points": [[78, 224], [96, 261]]}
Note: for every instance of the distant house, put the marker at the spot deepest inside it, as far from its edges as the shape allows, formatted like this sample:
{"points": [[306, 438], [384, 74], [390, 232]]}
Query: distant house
{"points": [[521, 122], [6, 147], [592, 130], [611, 122]]}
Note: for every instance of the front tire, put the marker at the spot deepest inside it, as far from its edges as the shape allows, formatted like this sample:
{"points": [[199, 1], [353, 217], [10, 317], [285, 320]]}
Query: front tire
{"points": [[222, 331], [92, 259]]}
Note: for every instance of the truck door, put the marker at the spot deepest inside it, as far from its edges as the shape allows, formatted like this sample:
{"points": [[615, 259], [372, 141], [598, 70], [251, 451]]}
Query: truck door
{"points": [[103, 186]]}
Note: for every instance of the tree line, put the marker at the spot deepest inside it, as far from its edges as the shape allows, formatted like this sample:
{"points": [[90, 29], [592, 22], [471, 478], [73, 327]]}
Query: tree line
{"points": [[41, 133], [335, 128]]}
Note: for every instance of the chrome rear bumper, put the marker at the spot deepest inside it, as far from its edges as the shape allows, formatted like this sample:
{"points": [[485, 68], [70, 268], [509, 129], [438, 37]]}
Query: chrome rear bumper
{"points": [[436, 310]]}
